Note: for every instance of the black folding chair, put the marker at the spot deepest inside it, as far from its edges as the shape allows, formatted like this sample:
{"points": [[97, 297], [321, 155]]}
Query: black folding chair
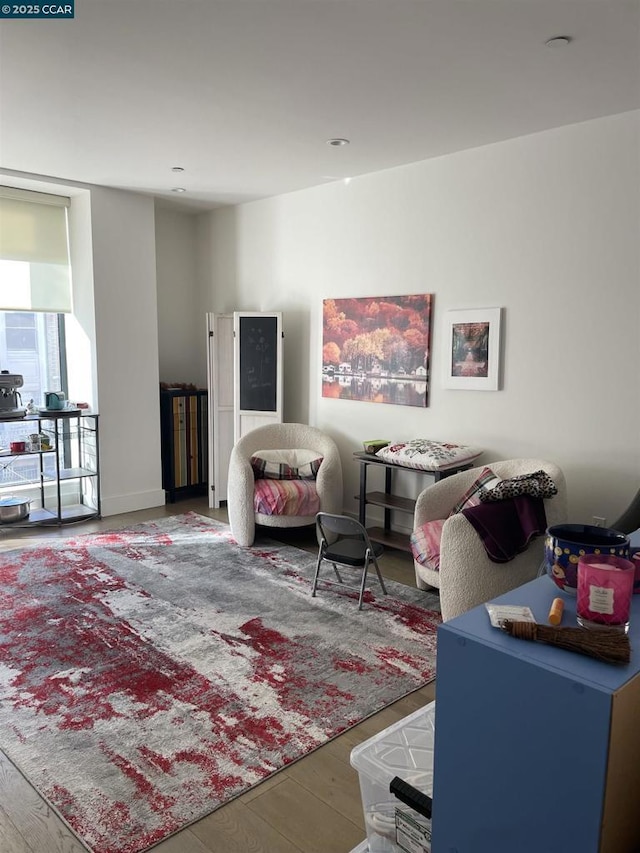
{"points": [[345, 542]]}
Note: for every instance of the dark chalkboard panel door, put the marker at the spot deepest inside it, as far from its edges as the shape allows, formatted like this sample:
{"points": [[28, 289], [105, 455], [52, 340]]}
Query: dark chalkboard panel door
{"points": [[257, 370]]}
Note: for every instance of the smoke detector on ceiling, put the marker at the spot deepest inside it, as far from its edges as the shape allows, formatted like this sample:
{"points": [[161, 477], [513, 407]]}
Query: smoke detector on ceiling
{"points": [[558, 41]]}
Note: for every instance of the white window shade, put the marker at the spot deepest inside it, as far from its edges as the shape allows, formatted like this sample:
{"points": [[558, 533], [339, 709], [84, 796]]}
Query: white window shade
{"points": [[35, 274]]}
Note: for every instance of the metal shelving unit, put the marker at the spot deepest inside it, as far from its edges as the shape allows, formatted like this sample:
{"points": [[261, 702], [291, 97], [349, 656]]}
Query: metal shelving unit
{"points": [[65, 477]]}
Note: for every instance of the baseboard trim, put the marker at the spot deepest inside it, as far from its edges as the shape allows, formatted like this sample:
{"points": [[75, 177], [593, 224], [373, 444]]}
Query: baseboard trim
{"points": [[117, 504]]}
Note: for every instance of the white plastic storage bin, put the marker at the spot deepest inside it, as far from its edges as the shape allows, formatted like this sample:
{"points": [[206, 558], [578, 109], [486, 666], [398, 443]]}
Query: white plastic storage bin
{"points": [[405, 749]]}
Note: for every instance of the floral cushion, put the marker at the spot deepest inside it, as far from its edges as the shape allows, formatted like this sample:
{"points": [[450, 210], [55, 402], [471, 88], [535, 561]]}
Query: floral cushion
{"points": [[538, 485], [425, 544], [286, 497], [486, 480], [427, 455]]}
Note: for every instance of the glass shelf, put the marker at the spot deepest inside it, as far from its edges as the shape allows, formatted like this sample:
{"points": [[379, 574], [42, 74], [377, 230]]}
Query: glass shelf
{"points": [[4, 453], [63, 481]]}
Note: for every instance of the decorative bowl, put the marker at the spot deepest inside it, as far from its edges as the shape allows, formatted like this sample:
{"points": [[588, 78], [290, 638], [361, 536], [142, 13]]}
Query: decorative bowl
{"points": [[374, 445], [566, 543]]}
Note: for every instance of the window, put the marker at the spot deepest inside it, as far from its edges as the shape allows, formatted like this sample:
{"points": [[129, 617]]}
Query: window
{"points": [[21, 331], [35, 292], [31, 345]]}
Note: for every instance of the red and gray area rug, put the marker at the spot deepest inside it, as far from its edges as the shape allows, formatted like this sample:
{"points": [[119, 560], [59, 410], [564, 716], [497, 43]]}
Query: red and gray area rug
{"points": [[149, 675]]}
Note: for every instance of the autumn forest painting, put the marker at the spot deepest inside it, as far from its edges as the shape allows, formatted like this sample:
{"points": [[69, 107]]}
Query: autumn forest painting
{"points": [[377, 349]]}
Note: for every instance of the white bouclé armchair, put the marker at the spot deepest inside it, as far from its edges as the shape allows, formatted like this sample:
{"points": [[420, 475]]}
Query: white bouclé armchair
{"points": [[467, 576], [275, 437]]}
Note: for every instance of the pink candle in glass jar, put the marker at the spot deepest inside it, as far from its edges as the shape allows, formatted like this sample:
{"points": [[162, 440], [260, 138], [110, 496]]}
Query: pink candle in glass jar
{"points": [[605, 587], [635, 559]]}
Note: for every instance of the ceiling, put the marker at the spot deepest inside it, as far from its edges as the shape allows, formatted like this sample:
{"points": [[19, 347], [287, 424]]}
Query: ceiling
{"points": [[243, 94]]}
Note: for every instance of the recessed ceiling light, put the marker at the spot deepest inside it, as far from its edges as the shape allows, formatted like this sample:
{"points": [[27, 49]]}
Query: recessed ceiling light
{"points": [[178, 190], [177, 169], [558, 41], [337, 142]]}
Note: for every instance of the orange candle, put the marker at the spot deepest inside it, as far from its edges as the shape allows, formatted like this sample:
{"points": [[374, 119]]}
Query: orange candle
{"points": [[555, 612]]}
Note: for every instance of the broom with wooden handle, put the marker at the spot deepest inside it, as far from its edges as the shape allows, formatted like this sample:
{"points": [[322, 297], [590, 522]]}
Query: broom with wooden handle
{"points": [[607, 646]]}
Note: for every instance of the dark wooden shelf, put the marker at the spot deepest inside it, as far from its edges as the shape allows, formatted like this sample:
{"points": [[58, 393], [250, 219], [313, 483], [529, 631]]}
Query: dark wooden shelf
{"points": [[391, 501], [390, 538]]}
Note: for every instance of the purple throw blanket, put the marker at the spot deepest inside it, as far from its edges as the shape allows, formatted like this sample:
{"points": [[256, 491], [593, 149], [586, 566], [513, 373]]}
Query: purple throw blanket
{"points": [[506, 527]]}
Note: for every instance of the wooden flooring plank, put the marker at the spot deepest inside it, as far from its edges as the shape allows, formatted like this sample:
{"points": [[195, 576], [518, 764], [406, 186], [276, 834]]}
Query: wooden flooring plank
{"points": [[305, 820], [276, 779], [331, 780], [10, 839], [181, 842], [341, 748], [237, 828], [372, 725], [419, 699], [36, 821]]}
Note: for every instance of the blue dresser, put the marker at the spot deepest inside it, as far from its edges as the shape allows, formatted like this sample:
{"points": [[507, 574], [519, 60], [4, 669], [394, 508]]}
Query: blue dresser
{"points": [[537, 749]]}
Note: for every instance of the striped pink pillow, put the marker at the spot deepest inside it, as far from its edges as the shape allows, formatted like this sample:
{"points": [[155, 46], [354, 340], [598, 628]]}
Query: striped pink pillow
{"points": [[425, 544], [286, 497]]}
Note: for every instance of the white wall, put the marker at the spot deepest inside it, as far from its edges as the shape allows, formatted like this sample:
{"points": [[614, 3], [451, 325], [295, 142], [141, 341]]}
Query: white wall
{"points": [[545, 226], [124, 268], [181, 327]]}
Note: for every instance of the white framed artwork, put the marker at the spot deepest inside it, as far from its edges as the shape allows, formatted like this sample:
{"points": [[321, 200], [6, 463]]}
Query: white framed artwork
{"points": [[472, 355]]}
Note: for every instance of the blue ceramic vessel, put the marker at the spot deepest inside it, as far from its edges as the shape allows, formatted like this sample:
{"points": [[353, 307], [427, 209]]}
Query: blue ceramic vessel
{"points": [[566, 543]]}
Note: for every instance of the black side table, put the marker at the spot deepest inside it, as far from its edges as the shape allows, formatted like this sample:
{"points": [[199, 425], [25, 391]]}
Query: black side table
{"points": [[388, 500]]}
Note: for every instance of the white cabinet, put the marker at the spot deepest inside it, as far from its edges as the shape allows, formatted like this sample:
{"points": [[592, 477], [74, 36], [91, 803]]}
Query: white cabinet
{"points": [[244, 373]]}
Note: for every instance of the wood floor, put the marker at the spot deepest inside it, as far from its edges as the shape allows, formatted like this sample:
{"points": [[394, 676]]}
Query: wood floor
{"points": [[313, 806]]}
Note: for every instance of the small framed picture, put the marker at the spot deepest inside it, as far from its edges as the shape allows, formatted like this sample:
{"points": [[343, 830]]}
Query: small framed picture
{"points": [[472, 357]]}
